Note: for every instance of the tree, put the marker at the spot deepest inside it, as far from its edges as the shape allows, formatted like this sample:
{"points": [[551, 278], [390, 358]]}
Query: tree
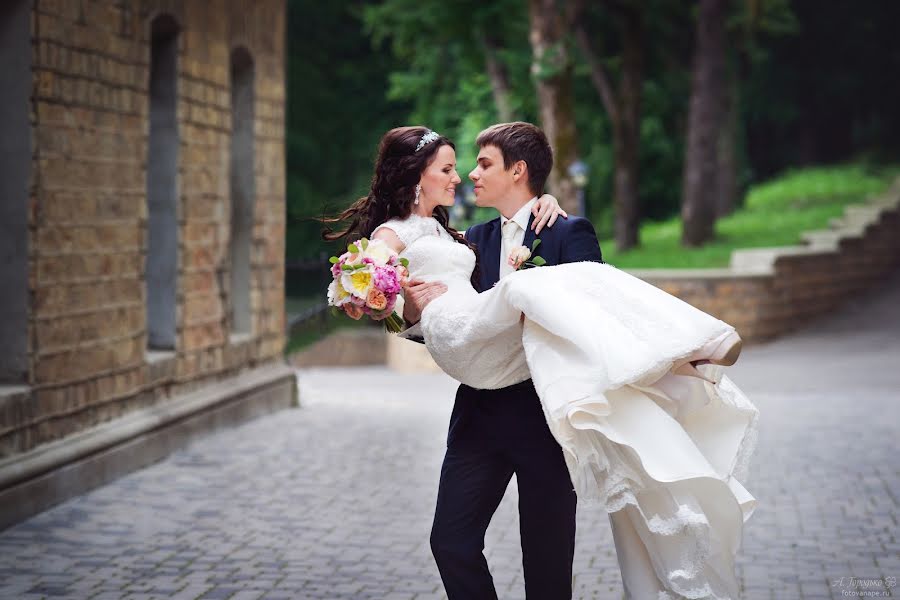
{"points": [[461, 60], [336, 111], [748, 25], [552, 71], [623, 106], [698, 208], [498, 75]]}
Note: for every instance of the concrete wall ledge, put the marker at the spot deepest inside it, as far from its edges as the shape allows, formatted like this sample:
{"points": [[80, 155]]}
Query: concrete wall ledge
{"points": [[36, 480], [766, 292], [723, 273], [345, 347]]}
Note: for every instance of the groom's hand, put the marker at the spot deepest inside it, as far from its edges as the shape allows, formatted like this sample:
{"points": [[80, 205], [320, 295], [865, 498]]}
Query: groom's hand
{"points": [[417, 294]]}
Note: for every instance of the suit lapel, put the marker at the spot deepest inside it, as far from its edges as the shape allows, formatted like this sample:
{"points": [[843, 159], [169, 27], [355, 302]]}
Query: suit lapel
{"points": [[490, 258], [530, 237]]}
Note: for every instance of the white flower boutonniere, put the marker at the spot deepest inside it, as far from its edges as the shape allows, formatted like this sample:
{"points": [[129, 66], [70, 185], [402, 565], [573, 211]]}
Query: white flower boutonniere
{"points": [[518, 258]]}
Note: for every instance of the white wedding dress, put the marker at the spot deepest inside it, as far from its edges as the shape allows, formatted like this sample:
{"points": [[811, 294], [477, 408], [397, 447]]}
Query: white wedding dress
{"points": [[662, 453]]}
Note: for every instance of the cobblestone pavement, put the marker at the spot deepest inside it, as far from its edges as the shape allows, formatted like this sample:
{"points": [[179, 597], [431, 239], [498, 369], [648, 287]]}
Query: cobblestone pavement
{"points": [[335, 500]]}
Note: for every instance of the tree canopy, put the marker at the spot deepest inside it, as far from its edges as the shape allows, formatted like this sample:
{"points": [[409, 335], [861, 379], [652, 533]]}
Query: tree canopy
{"points": [[803, 83]]}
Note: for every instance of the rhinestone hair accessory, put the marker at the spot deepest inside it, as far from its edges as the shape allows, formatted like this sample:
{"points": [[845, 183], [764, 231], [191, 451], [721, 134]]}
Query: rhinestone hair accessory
{"points": [[427, 139]]}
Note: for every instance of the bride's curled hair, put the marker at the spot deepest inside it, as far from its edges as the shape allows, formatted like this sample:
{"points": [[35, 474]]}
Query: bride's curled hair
{"points": [[398, 168]]}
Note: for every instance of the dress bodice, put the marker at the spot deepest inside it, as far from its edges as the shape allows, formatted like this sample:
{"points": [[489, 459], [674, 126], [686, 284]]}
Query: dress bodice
{"points": [[432, 252], [435, 256]]}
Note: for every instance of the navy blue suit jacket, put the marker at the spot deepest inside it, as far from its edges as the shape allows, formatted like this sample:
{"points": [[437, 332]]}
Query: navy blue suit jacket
{"points": [[569, 240]]}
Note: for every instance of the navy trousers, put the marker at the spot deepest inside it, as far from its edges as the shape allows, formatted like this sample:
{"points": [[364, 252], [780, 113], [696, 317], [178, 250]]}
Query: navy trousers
{"points": [[493, 434]]}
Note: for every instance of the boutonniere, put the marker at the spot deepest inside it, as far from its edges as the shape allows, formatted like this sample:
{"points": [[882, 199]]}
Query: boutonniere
{"points": [[518, 258]]}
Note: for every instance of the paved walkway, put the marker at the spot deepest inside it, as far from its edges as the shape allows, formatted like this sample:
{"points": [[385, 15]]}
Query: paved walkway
{"points": [[335, 500]]}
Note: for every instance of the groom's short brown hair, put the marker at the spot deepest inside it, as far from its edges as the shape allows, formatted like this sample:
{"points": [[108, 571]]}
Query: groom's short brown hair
{"points": [[521, 141]]}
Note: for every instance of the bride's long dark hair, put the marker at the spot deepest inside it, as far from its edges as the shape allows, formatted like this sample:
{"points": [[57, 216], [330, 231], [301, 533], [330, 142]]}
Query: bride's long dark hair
{"points": [[398, 168]]}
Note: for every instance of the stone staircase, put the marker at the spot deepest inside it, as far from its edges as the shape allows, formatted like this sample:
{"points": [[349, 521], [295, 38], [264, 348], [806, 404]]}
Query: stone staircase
{"points": [[766, 292]]}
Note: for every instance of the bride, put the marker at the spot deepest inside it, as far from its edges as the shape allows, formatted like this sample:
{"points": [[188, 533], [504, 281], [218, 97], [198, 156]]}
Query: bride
{"points": [[658, 442]]}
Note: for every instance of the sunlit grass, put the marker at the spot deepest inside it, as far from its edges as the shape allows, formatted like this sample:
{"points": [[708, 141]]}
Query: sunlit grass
{"points": [[775, 213]]}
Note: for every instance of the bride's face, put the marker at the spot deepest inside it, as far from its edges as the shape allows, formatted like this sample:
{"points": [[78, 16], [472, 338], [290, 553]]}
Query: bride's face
{"points": [[439, 180]]}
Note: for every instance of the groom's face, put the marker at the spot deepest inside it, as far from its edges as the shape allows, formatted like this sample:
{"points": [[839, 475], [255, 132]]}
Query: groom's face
{"points": [[492, 181]]}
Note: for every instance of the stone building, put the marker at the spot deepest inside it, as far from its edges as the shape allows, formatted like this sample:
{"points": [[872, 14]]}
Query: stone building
{"points": [[141, 233]]}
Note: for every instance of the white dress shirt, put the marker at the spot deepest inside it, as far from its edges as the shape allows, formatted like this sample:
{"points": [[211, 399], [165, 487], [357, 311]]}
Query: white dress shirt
{"points": [[519, 222]]}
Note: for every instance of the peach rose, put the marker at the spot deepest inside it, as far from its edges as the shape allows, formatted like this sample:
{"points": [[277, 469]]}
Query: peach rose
{"points": [[353, 311], [376, 300]]}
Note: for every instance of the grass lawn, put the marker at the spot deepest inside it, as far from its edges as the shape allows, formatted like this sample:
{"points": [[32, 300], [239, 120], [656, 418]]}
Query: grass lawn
{"points": [[775, 213]]}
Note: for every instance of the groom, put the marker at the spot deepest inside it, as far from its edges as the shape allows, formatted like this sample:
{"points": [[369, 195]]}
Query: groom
{"points": [[497, 433]]}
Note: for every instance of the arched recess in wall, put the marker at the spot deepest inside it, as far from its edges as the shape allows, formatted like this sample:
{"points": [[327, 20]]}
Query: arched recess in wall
{"points": [[161, 266], [242, 188], [15, 165]]}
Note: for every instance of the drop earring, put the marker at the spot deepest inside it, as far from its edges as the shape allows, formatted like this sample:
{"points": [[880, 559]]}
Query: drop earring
{"points": [[418, 190]]}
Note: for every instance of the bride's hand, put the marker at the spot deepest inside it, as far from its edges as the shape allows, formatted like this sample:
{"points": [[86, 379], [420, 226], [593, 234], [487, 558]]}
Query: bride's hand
{"points": [[545, 212]]}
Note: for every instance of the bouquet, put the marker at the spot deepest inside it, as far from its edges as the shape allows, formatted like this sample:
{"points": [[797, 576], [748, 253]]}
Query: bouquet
{"points": [[367, 280]]}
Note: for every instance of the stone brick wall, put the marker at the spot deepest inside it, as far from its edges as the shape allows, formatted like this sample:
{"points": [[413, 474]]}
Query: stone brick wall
{"points": [[88, 358]]}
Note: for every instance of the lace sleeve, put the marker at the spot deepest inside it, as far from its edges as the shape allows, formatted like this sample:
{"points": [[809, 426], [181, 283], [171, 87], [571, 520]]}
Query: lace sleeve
{"points": [[392, 226], [408, 230]]}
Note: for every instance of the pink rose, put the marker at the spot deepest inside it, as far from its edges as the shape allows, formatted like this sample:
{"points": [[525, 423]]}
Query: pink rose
{"points": [[386, 280]]}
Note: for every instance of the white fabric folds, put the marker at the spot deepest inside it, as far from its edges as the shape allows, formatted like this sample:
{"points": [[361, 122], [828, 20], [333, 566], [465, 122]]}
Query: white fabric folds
{"points": [[662, 453]]}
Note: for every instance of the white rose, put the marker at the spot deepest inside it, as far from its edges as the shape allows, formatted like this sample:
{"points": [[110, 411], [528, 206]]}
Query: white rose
{"points": [[337, 295], [379, 251], [518, 256]]}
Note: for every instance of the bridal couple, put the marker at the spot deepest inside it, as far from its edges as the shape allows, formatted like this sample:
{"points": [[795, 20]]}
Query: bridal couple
{"points": [[578, 378]]}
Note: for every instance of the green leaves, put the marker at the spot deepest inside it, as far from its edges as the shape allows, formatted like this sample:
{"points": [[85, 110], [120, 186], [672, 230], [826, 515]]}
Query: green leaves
{"points": [[538, 261], [351, 268]]}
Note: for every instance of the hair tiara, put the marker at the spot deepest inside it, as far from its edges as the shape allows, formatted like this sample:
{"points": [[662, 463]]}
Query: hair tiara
{"points": [[429, 137]]}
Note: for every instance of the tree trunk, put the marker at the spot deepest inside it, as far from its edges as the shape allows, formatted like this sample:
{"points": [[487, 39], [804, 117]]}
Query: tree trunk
{"points": [[627, 216], [627, 220], [552, 71], [727, 169], [698, 205], [499, 78], [623, 106]]}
